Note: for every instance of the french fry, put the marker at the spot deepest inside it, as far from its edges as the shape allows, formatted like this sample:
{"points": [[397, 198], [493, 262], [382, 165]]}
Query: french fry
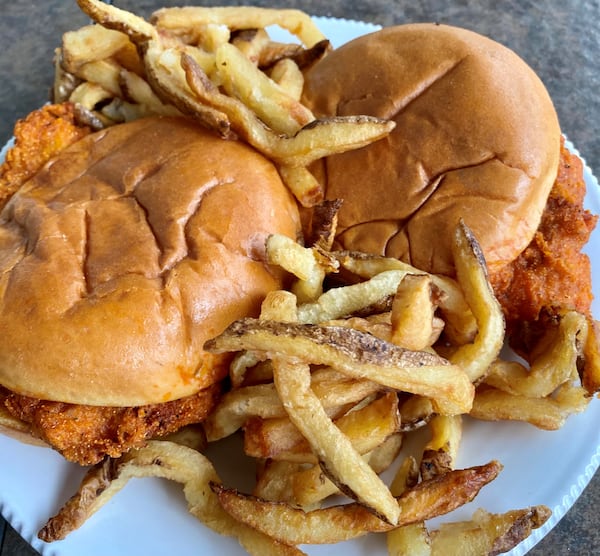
{"points": [[167, 460], [137, 90], [471, 270], [591, 351], [279, 305], [104, 73], [111, 17], [416, 412], [168, 81], [334, 451], [289, 77], [552, 367], [487, 533], [316, 140], [309, 486], [65, 82], [249, 42], [303, 185], [378, 325], [303, 263], [355, 354], [413, 313], [89, 94], [261, 400], [343, 301], [241, 79], [410, 539], [366, 428], [333, 524], [439, 454], [90, 43], [547, 413], [242, 17], [460, 325]]}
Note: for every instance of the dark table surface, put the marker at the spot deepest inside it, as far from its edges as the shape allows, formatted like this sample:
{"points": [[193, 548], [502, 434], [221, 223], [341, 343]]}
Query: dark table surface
{"points": [[559, 39]]}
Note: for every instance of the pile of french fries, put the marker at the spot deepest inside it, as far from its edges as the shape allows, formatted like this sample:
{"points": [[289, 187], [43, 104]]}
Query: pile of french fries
{"points": [[360, 352], [218, 66]]}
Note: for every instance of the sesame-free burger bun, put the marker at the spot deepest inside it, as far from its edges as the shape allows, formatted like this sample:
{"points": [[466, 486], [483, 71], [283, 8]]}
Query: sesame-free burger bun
{"points": [[476, 137], [128, 251]]}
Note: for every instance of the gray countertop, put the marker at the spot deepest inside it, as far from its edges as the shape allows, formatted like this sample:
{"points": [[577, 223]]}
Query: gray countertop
{"points": [[559, 39]]}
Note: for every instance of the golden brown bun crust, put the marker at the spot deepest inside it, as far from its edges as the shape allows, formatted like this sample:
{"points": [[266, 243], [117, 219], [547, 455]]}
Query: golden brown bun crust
{"points": [[476, 137], [124, 254]]}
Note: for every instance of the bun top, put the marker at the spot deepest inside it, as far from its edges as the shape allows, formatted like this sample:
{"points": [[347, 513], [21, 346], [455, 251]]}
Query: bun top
{"points": [[125, 253], [476, 137]]}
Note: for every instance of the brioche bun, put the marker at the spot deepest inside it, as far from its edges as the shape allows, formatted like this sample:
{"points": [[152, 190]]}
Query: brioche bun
{"points": [[476, 137], [128, 251]]}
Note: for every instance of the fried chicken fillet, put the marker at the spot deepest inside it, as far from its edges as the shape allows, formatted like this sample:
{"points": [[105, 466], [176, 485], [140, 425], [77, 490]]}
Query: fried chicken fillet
{"points": [[551, 275]]}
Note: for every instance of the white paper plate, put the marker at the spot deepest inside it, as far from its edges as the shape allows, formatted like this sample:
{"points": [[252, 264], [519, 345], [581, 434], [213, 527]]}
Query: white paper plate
{"points": [[150, 517]]}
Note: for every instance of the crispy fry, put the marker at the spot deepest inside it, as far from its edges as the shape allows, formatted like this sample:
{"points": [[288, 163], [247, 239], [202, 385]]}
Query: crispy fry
{"points": [[241, 17], [318, 139], [261, 400], [410, 539], [344, 301], [167, 79], [439, 455], [471, 270], [551, 368], [366, 428], [104, 73], [333, 524], [591, 351], [487, 533], [138, 90], [413, 313], [241, 79], [111, 17], [90, 43], [303, 185], [355, 354], [547, 413], [416, 412], [307, 487], [334, 451], [289, 77], [171, 461], [460, 324], [88, 95]]}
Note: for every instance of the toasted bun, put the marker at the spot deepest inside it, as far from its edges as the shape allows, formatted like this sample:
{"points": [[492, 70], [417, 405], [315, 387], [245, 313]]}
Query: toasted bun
{"points": [[124, 254], [477, 137]]}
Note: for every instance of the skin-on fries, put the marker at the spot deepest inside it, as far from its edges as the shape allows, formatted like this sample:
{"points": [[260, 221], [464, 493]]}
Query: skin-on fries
{"points": [[355, 354], [295, 21], [471, 270], [460, 325], [487, 533], [196, 60], [171, 461], [441, 451], [261, 400], [366, 428], [338, 523], [336, 455], [553, 367], [547, 413]]}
